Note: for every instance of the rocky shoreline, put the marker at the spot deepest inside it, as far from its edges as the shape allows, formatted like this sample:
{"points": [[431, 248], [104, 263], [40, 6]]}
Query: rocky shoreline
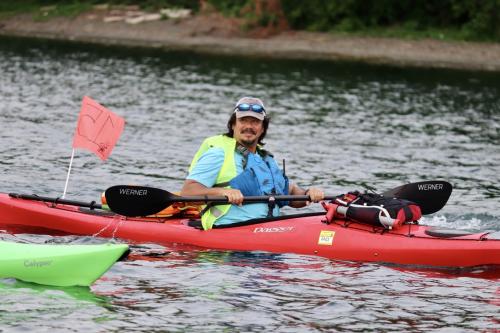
{"points": [[211, 33]]}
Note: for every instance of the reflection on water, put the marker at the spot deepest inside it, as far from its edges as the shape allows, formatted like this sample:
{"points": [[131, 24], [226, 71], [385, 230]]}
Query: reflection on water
{"points": [[32, 307], [268, 292], [181, 288], [341, 126], [72, 293]]}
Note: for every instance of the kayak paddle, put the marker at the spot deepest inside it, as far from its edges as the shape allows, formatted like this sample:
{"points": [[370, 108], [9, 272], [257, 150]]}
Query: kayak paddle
{"points": [[131, 201], [431, 195], [91, 205]]}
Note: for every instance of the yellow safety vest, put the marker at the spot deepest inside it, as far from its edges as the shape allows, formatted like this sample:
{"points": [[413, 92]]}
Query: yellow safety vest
{"points": [[226, 173]]}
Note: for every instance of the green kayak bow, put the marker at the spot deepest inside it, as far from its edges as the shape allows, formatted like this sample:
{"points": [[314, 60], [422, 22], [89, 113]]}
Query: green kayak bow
{"points": [[58, 264]]}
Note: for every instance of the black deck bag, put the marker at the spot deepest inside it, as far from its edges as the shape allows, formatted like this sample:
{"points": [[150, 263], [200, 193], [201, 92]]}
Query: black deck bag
{"points": [[374, 209]]}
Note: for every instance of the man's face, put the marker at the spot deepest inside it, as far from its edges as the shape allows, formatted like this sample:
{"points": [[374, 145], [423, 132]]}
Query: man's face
{"points": [[247, 131]]}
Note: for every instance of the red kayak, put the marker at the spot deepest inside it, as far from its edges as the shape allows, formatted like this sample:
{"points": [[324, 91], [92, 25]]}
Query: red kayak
{"points": [[410, 244]]}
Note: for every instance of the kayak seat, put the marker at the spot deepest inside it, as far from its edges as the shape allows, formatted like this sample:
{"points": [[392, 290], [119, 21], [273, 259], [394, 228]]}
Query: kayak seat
{"points": [[447, 233]]}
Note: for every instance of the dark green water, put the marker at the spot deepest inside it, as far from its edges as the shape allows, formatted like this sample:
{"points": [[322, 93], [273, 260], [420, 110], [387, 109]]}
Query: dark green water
{"points": [[339, 126]]}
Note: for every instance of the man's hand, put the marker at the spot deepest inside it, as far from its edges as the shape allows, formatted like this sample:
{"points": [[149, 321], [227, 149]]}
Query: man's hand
{"points": [[192, 187], [233, 196], [315, 194]]}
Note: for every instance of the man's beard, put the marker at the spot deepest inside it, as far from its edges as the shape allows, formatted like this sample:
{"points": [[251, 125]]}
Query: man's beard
{"points": [[249, 143]]}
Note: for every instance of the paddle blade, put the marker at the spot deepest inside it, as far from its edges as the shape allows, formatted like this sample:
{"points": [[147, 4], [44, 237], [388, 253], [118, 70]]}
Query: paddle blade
{"points": [[430, 195], [137, 200]]}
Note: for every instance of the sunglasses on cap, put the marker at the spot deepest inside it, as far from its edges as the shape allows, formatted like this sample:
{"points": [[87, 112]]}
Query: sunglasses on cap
{"points": [[250, 107]]}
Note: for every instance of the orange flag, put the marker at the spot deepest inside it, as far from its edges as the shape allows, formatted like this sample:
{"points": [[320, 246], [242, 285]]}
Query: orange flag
{"points": [[98, 128]]}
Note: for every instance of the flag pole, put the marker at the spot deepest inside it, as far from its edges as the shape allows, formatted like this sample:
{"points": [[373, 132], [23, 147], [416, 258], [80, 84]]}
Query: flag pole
{"points": [[69, 171]]}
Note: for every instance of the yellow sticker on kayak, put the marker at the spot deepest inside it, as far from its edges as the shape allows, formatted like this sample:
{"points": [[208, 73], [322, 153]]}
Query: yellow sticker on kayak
{"points": [[326, 237]]}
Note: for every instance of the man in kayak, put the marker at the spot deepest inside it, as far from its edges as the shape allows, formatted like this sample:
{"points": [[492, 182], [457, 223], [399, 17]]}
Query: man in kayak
{"points": [[235, 165]]}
